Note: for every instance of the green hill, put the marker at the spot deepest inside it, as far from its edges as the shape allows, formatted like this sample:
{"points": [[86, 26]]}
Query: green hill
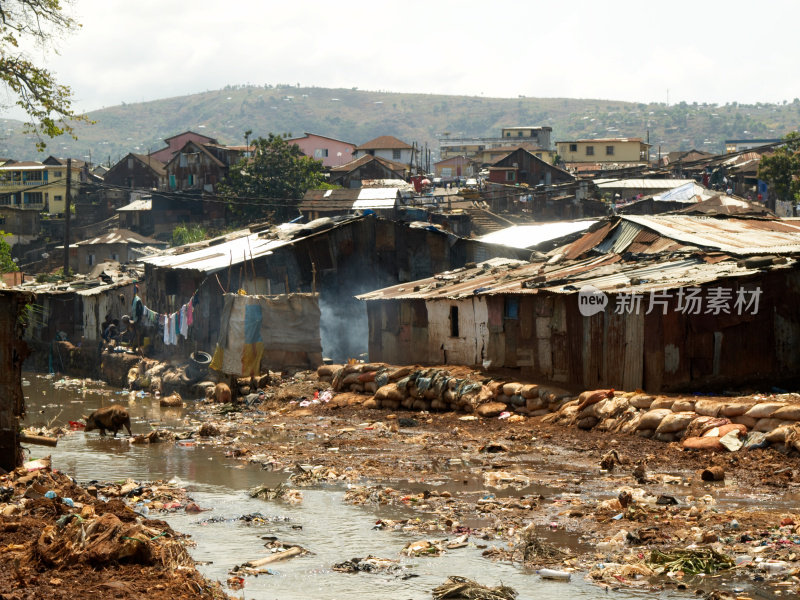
{"points": [[358, 116]]}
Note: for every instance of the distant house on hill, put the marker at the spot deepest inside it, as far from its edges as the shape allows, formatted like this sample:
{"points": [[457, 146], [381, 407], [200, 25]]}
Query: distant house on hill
{"points": [[330, 151], [176, 142], [137, 171], [521, 166], [388, 147], [366, 167], [118, 245]]}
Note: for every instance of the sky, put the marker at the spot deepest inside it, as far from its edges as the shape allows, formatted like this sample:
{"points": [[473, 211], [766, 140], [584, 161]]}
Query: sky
{"points": [[704, 51]]}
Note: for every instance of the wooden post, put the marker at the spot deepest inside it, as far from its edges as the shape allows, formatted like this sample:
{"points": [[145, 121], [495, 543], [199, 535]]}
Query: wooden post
{"points": [[313, 278], [66, 217], [286, 279]]}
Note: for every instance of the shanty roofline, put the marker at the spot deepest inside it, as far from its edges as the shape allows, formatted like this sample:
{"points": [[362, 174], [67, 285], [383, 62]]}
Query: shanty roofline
{"points": [[527, 236], [120, 236], [606, 273], [217, 257], [738, 237], [645, 184]]}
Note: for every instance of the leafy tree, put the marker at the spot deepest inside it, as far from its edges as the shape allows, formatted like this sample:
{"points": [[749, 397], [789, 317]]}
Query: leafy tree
{"points": [[28, 23], [272, 181], [782, 169], [7, 264]]}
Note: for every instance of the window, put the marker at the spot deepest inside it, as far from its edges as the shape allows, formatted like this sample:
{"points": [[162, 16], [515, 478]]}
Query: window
{"points": [[130, 163], [321, 153], [511, 175], [115, 256], [589, 150], [32, 198], [508, 134], [512, 308], [190, 179], [519, 134], [453, 321], [609, 150], [57, 198], [90, 259], [172, 182], [56, 173], [573, 147], [396, 154]]}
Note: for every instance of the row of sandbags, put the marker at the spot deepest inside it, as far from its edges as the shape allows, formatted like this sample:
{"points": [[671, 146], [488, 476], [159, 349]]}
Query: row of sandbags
{"points": [[417, 388], [699, 423]]}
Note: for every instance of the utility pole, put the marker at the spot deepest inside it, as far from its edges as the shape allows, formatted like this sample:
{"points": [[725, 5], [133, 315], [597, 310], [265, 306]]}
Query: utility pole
{"points": [[66, 217]]}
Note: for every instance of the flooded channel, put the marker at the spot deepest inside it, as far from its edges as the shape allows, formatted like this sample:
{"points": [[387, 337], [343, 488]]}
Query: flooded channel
{"points": [[332, 530]]}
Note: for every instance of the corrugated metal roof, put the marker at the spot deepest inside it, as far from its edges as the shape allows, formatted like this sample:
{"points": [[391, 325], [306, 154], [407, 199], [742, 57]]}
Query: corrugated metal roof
{"points": [[641, 184], [121, 236], [526, 236], [137, 205], [375, 203], [525, 278], [378, 193], [732, 235]]}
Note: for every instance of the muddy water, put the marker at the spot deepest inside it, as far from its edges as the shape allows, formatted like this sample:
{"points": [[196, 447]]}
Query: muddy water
{"points": [[332, 530]]}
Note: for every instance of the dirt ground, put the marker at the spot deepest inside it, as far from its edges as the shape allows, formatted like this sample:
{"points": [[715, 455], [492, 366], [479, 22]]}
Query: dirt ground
{"points": [[535, 493], [524, 491]]}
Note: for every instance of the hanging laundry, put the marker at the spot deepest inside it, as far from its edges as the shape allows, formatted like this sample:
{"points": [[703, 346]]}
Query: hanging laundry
{"points": [[184, 327], [190, 312]]}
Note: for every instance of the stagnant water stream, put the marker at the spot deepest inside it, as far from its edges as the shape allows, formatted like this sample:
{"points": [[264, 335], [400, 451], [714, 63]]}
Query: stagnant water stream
{"points": [[332, 530]]}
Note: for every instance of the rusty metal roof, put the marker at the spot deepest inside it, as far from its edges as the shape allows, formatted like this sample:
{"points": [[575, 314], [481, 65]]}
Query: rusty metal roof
{"points": [[734, 236], [606, 273]]}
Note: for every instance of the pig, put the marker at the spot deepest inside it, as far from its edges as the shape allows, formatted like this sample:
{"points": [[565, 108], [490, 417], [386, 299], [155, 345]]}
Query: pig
{"points": [[109, 417], [222, 393]]}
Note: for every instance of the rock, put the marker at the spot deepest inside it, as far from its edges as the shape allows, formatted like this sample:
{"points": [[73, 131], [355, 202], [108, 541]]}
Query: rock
{"points": [[490, 409]]}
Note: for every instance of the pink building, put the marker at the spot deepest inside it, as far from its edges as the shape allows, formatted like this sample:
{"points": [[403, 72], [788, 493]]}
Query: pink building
{"points": [[176, 142], [330, 151]]}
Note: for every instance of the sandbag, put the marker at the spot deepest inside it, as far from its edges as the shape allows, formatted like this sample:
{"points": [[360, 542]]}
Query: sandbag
{"points": [[398, 374], [496, 387], [328, 370], [762, 410], [535, 403], [724, 430], [683, 405], [778, 434], [511, 389], [710, 408], [611, 407], [371, 387], [390, 391], [702, 424], [645, 433], [370, 403], [735, 409], [587, 422], [641, 401], [367, 376], [662, 402], [349, 379], [674, 422], [590, 397], [666, 437], [767, 424], [703, 443], [790, 412], [389, 404], [652, 418], [530, 390], [748, 422]]}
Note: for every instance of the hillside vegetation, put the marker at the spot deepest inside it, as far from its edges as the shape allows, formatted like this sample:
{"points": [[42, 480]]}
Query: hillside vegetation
{"points": [[358, 116]]}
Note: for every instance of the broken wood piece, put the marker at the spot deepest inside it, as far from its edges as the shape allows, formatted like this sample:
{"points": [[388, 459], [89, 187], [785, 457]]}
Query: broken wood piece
{"points": [[293, 551], [40, 440]]}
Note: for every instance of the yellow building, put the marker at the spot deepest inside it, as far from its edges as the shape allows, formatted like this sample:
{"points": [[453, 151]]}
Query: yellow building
{"points": [[608, 150], [38, 185]]}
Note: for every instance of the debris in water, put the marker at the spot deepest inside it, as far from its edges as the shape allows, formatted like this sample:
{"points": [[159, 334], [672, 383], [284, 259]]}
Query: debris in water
{"points": [[462, 588]]}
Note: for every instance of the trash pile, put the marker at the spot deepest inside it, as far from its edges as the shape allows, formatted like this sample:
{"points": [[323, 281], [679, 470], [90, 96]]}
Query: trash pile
{"points": [[52, 525], [461, 588]]}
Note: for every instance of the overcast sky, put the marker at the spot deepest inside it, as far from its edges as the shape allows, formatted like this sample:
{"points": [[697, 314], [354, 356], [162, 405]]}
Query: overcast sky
{"points": [[704, 51]]}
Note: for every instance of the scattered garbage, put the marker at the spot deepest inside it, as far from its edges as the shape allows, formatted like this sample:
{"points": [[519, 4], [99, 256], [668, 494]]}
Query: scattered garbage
{"points": [[461, 588], [690, 561]]}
